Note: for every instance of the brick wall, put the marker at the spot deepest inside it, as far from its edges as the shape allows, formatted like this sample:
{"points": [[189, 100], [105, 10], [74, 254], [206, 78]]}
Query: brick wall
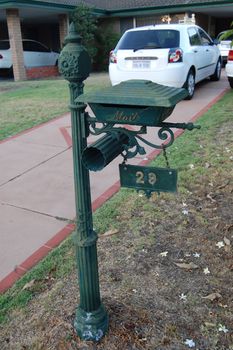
{"points": [[41, 72], [63, 28]]}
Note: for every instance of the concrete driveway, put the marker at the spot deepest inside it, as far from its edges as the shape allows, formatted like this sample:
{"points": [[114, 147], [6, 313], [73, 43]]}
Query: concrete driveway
{"points": [[36, 184]]}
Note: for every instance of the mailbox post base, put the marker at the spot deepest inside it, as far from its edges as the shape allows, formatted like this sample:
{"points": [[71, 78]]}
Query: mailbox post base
{"points": [[91, 325]]}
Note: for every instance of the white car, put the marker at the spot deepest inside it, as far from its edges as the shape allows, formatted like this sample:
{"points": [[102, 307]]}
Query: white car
{"points": [[229, 68], [224, 45], [35, 54], [178, 55]]}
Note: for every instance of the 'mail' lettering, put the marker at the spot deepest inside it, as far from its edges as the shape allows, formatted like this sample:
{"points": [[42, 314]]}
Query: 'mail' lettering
{"points": [[120, 116]]}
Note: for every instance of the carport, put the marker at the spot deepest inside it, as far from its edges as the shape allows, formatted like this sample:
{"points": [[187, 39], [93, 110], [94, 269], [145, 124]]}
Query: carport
{"points": [[36, 20]]}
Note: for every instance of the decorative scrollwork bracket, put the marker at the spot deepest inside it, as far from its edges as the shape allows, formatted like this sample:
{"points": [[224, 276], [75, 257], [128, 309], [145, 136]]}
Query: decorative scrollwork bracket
{"points": [[165, 135]]}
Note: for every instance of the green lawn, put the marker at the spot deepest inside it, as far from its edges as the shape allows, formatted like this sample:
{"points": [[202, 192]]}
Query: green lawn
{"points": [[29, 103]]}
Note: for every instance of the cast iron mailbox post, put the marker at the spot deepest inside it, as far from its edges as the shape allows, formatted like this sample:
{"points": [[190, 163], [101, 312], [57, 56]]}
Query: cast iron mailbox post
{"points": [[91, 321], [139, 103]]}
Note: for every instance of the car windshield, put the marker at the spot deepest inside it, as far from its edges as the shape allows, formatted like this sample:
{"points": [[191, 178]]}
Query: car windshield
{"points": [[149, 39], [4, 45]]}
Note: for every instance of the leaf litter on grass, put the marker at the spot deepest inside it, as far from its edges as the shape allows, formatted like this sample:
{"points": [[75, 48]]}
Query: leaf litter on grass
{"points": [[152, 272]]}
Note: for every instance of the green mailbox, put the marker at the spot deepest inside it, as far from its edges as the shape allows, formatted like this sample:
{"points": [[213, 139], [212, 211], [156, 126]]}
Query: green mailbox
{"points": [[134, 102], [143, 104]]}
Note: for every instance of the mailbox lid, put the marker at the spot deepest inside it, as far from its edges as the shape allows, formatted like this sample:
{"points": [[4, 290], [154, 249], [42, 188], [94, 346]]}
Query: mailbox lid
{"points": [[136, 93]]}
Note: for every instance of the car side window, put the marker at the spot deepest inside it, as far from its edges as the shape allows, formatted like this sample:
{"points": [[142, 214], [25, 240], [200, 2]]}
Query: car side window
{"points": [[27, 46], [205, 39], [4, 45], [33, 46], [194, 37], [41, 48]]}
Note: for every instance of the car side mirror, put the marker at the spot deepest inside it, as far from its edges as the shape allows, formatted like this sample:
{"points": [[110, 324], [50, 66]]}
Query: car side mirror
{"points": [[215, 41]]}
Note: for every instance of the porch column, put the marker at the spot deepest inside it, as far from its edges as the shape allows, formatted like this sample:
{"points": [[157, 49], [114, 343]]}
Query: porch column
{"points": [[63, 27], [15, 36]]}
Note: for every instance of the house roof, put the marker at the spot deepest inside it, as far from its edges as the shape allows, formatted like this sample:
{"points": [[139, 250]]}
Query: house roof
{"points": [[116, 5], [132, 4], [119, 8]]}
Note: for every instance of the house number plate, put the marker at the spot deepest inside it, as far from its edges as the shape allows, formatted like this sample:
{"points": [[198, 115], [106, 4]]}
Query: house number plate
{"points": [[148, 178]]}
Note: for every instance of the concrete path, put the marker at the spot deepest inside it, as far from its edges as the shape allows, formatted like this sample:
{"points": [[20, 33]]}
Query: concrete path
{"points": [[36, 184]]}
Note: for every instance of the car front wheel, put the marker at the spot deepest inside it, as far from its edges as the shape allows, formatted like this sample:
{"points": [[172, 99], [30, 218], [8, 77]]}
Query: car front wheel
{"points": [[217, 73], [190, 84]]}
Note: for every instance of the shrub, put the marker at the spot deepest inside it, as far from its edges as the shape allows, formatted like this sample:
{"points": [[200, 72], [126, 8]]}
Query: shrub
{"points": [[227, 34], [85, 24], [105, 41]]}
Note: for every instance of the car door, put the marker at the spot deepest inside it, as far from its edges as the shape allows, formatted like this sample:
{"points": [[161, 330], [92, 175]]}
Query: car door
{"points": [[197, 52], [210, 57], [45, 56], [31, 57], [37, 55]]}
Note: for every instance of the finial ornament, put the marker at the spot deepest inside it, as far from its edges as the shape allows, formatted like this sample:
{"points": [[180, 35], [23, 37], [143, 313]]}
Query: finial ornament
{"points": [[74, 61]]}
